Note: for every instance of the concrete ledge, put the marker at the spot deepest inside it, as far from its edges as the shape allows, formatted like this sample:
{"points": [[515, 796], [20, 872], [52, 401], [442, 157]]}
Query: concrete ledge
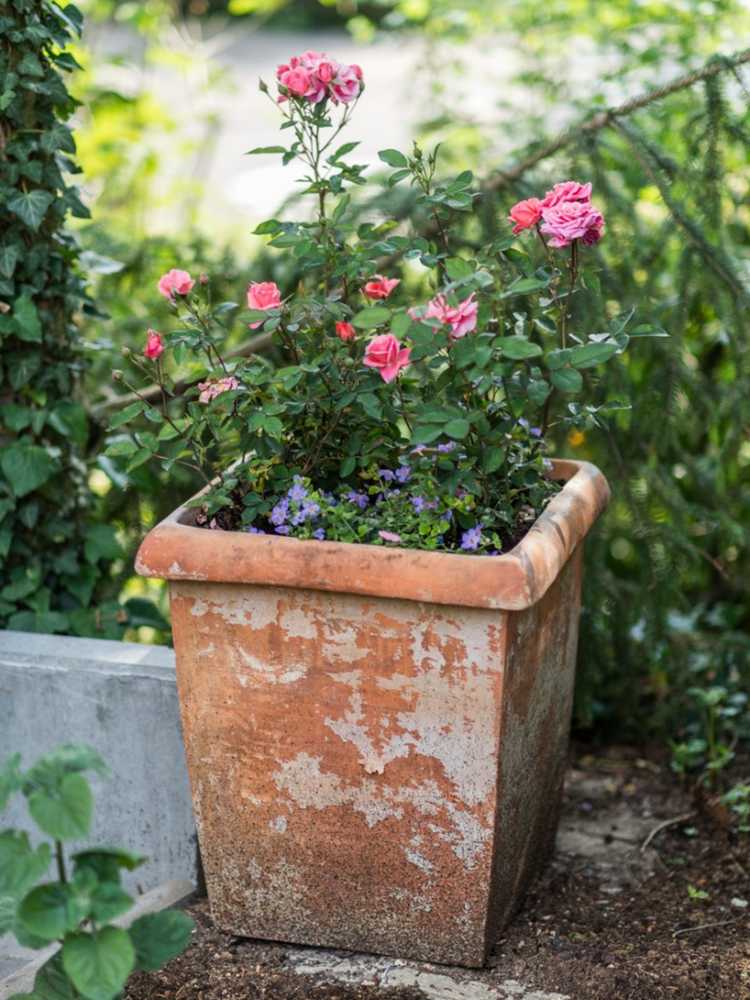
{"points": [[122, 699]]}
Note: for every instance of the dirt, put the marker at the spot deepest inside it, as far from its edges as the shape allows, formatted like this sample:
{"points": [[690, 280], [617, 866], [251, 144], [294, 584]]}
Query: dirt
{"points": [[607, 920]]}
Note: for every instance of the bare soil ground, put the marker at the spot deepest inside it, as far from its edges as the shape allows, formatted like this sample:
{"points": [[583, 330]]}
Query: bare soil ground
{"points": [[607, 920]]}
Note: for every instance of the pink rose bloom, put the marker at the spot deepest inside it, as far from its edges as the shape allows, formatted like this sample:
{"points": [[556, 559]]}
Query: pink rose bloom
{"points": [[461, 318], [389, 536], [346, 85], [572, 220], [175, 282], [345, 331], [296, 81], [210, 390], [566, 191], [386, 354], [379, 287], [154, 345], [357, 71], [525, 214], [326, 71], [262, 295]]}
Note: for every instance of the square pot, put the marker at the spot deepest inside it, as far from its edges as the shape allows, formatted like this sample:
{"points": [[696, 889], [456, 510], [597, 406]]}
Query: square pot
{"points": [[376, 737]]}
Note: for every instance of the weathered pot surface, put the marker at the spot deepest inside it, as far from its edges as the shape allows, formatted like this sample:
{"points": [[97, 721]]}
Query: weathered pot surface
{"points": [[376, 736]]}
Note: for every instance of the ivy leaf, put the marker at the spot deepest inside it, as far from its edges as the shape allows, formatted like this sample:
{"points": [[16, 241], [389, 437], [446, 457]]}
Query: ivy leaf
{"points": [[30, 206], [26, 319], [63, 813], [8, 258], [99, 963], [101, 543], [27, 467], [159, 937]]}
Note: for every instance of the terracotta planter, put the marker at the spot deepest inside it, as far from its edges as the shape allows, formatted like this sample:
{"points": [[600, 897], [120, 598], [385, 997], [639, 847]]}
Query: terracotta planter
{"points": [[376, 737]]}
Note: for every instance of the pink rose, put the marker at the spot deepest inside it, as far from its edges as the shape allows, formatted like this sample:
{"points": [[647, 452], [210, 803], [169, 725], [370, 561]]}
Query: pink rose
{"points": [[345, 331], [262, 295], [154, 345], [379, 287], [210, 390], [461, 318], [175, 282], [572, 220], [325, 71], [357, 70], [386, 354], [525, 214], [346, 85], [566, 191], [296, 81]]}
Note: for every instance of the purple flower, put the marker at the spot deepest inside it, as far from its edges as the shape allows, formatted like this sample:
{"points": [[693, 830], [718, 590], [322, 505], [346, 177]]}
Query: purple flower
{"points": [[310, 509], [319, 533], [449, 446], [252, 530], [280, 512], [298, 491], [472, 538], [386, 475], [418, 503], [360, 499], [283, 529], [403, 473]]}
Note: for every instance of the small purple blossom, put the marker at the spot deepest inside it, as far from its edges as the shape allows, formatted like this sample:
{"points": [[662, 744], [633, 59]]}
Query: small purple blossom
{"points": [[472, 539], [360, 499], [386, 475], [449, 446], [282, 529], [252, 530], [280, 512], [403, 473], [418, 503], [319, 533], [297, 492]]}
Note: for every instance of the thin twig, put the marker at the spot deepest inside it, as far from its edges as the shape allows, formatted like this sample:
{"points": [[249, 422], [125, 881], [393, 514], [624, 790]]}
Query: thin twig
{"points": [[705, 927], [603, 119], [663, 826]]}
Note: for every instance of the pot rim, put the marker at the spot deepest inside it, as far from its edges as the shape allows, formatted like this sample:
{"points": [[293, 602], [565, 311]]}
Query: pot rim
{"points": [[177, 550]]}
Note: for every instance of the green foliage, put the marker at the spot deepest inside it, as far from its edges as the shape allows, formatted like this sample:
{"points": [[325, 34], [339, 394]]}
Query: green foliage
{"points": [[49, 582], [95, 958]]}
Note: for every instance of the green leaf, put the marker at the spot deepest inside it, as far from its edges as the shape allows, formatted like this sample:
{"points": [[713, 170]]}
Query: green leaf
{"points": [[106, 862], [26, 320], [101, 543], [30, 206], [265, 149], [648, 330], [393, 158], [347, 467], [109, 901], [589, 355], [538, 391], [518, 348], [99, 963], [373, 316], [567, 380], [525, 285], [160, 937], [63, 813], [128, 413], [70, 420], [8, 259], [10, 779], [51, 910], [457, 428], [20, 865], [8, 905], [493, 459], [51, 982], [27, 467]]}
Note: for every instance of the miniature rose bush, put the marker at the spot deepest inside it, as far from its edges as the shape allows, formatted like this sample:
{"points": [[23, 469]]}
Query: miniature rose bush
{"points": [[407, 410]]}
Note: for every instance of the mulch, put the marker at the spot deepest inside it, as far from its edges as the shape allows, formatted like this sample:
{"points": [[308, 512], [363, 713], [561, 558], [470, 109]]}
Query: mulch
{"points": [[670, 929]]}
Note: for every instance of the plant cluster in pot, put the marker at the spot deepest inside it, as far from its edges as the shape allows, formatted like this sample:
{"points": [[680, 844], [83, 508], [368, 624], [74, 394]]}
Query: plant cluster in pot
{"points": [[375, 597]]}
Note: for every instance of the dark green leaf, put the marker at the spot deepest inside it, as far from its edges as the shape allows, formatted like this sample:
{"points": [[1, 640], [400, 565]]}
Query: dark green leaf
{"points": [[30, 206], [589, 355], [160, 937], [457, 428], [27, 467], [99, 963], [567, 380], [63, 813], [51, 910], [518, 348], [373, 316], [126, 414]]}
